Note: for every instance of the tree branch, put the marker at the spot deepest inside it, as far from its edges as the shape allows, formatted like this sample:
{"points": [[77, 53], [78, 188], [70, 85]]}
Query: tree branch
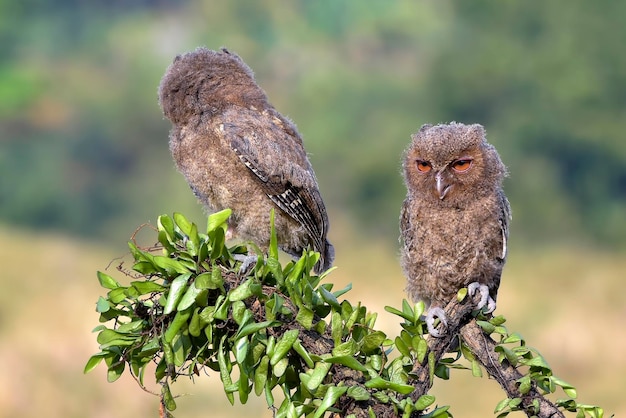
{"points": [[483, 347]]}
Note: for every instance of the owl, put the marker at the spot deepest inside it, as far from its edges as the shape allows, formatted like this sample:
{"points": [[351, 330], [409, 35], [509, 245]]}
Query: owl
{"points": [[454, 221], [236, 151]]}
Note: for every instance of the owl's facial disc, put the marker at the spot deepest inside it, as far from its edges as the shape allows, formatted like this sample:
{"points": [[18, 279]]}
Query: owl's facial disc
{"points": [[443, 178]]}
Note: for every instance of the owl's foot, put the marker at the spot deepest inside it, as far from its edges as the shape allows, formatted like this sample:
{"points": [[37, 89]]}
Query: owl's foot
{"points": [[247, 262], [435, 312], [485, 299]]}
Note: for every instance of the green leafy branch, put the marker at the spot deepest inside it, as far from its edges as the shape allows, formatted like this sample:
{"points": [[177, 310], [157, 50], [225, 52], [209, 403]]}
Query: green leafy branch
{"points": [[189, 309]]}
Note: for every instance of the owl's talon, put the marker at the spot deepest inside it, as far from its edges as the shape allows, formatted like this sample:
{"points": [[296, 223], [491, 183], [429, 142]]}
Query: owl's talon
{"points": [[485, 300], [435, 312], [247, 262]]}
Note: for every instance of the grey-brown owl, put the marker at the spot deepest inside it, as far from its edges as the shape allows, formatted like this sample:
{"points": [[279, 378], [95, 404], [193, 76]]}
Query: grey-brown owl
{"points": [[236, 151], [455, 218]]}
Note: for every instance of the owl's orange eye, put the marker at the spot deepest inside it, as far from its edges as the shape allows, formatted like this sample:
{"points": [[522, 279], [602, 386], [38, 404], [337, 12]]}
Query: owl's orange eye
{"points": [[423, 166], [462, 165]]}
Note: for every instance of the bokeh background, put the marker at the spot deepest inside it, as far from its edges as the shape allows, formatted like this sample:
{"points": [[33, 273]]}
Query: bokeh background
{"points": [[84, 161]]}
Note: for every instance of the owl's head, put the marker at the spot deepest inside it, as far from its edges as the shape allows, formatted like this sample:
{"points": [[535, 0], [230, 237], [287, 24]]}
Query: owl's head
{"points": [[451, 163], [204, 82]]}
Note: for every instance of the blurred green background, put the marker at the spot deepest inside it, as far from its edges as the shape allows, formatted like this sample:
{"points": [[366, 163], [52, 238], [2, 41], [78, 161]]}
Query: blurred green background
{"points": [[84, 161]]}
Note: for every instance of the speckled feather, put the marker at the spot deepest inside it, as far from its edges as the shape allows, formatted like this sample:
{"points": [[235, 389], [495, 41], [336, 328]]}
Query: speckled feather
{"points": [[450, 242], [236, 151]]}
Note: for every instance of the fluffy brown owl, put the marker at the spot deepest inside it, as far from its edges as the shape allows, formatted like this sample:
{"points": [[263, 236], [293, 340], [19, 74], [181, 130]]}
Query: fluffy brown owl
{"points": [[236, 151], [455, 218]]}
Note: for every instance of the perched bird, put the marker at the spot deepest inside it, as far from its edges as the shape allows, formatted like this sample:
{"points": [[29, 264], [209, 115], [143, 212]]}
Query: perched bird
{"points": [[454, 222], [236, 151]]}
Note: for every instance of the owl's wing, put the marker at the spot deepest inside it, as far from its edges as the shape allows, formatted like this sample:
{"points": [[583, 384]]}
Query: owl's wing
{"points": [[504, 219], [272, 151], [406, 230]]}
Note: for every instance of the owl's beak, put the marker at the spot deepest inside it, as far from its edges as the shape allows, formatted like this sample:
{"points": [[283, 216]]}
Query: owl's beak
{"points": [[441, 185]]}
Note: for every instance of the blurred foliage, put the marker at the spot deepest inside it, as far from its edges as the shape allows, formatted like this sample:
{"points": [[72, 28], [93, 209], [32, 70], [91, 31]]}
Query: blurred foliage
{"points": [[83, 145]]}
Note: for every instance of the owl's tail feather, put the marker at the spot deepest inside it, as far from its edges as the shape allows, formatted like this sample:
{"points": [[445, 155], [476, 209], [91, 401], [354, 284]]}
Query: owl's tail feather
{"points": [[326, 259]]}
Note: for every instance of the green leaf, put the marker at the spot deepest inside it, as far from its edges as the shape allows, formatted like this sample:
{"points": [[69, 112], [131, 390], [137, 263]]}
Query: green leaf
{"points": [[167, 398], [525, 385], [299, 348], [476, 370], [567, 388], [117, 295], [498, 320], [255, 327], [206, 315], [170, 265], [189, 298], [131, 327], [277, 271], [218, 220], [180, 319], [273, 248], [401, 346], [431, 365], [421, 348], [137, 254], [269, 397], [329, 298], [94, 361], [242, 292], [341, 292], [358, 393], [305, 317], [513, 338], [317, 376], [283, 345], [347, 361], [244, 386], [347, 348], [380, 383], [260, 375], [145, 287], [195, 326], [508, 354], [183, 223], [372, 342], [102, 305], [166, 224], [223, 361], [394, 311], [210, 280], [109, 338], [336, 330], [115, 371], [145, 267], [107, 281], [461, 294], [537, 361], [487, 326], [177, 289], [242, 346], [332, 395], [280, 367], [296, 271], [181, 345], [424, 402], [501, 405]]}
